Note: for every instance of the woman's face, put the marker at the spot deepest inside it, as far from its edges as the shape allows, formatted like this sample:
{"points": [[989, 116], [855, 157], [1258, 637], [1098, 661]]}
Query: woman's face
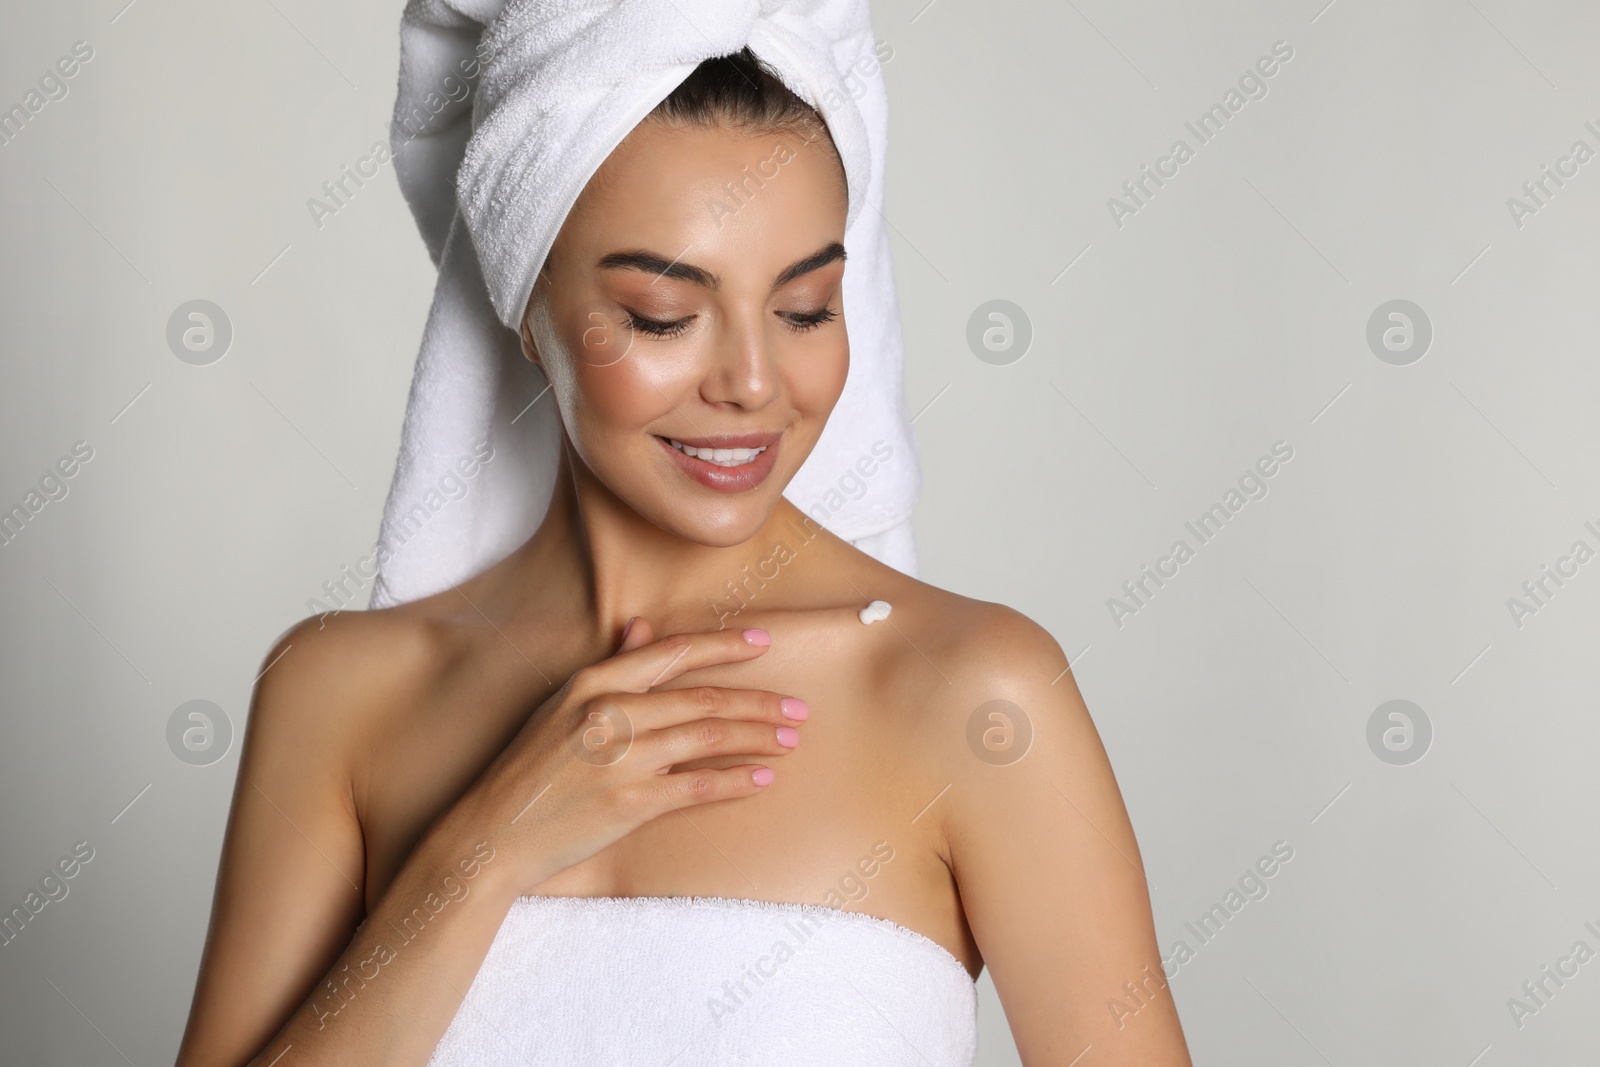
{"points": [[692, 301]]}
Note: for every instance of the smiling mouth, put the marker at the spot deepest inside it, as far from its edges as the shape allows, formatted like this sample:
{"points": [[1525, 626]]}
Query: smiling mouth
{"points": [[722, 457], [727, 463]]}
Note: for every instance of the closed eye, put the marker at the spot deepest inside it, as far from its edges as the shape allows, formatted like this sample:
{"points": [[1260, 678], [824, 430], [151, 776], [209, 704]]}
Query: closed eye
{"points": [[656, 328], [802, 321], [796, 321]]}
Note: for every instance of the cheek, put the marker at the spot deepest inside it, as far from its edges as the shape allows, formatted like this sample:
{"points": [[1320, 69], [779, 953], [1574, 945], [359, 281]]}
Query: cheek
{"points": [[817, 379], [606, 382], [619, 396], [625, 395]]}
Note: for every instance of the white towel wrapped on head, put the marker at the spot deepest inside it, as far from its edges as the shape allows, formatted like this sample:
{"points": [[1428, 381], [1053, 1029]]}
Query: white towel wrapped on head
{"points": [[557, 84]]}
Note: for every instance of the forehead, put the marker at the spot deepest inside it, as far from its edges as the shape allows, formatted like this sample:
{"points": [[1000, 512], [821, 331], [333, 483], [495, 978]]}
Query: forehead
{"points": [[709, 187]]}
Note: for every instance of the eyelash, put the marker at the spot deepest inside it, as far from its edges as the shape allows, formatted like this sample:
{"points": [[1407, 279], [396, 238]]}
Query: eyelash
{"points": [[803, 321], [796, 321]]}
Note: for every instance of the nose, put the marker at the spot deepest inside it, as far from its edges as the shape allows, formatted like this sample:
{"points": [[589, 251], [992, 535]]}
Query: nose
{"points": [[739, 370]]}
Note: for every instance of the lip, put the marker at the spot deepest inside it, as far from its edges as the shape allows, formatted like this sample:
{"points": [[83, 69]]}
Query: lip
{"points": [[730, 440], [726, 479]]}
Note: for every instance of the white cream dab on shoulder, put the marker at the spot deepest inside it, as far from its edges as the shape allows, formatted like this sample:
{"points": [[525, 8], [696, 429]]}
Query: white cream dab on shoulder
{"points": [[878, 609]]}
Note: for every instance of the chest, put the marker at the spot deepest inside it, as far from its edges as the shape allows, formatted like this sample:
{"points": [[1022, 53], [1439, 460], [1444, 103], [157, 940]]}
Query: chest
{"points": [[839, 826]]}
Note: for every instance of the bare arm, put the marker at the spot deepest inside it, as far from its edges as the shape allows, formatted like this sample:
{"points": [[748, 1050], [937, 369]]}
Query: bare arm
{"points": [[1049, 872], [288, 896], [285, 963], [391, 993]]}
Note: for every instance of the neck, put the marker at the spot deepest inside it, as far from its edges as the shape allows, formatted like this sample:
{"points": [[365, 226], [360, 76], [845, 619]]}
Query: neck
{"points": [[596, 557]]}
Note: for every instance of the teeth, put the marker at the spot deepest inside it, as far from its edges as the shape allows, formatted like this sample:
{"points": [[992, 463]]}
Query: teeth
{"points": [[722, 457]]}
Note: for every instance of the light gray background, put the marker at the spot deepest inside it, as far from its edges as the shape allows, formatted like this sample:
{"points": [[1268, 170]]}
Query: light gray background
{"points": [[1227, 314]]}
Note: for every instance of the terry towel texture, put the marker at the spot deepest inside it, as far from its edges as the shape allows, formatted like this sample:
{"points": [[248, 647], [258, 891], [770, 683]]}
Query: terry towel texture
{"points": [[519, 104], [709, 982]]}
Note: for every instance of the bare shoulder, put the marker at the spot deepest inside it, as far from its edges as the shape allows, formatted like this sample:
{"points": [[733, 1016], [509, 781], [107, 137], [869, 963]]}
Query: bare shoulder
{"points": [[294, 853], [987, 642], [986, 708], [329, 679], [1028, 819], [986, 687], [978, 650]]}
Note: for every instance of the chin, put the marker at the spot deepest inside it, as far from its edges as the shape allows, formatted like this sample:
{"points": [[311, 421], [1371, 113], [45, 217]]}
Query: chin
{"points": [[713, 524], [705, 504]]}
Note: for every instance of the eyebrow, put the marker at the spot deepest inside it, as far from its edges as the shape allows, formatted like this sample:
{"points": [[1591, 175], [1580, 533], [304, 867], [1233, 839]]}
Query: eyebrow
{"points": [[645, 260]]}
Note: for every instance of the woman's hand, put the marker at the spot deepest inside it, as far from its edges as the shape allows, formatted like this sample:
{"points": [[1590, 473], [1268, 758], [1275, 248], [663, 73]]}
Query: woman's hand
{"points": [[596, 760], [592, 763]]}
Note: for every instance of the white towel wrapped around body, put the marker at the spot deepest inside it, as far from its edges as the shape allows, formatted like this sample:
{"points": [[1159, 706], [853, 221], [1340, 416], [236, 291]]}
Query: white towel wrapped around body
{"points": [[709, 982], [492, 169]]}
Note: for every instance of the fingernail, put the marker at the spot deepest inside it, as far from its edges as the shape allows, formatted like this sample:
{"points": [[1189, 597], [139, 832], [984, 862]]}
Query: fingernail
{"points": [[631, 620], [757, 637], [762, 776], [788, 736], [793, 708]]}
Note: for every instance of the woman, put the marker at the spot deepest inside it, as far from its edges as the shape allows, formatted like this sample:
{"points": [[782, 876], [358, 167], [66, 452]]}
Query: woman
{"points": [[577, 741]]}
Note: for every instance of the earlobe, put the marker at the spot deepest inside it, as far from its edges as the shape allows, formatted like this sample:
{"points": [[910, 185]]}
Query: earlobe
{"points": [[530, 351]]}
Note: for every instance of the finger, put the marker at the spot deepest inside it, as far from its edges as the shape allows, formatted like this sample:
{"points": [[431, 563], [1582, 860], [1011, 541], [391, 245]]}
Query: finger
{"points": [[661, 708], [714, 737], [637, 634], [706, 784], [640, 669]]}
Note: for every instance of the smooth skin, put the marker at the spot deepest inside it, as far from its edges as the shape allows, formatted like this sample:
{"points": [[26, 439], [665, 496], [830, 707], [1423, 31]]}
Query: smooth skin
{"points": [[586, 717]]}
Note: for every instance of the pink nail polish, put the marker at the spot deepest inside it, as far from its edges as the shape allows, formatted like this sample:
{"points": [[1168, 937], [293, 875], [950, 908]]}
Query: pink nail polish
{"points": [[788, 736], [762, 776], [757, 637], [794, 708]]}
